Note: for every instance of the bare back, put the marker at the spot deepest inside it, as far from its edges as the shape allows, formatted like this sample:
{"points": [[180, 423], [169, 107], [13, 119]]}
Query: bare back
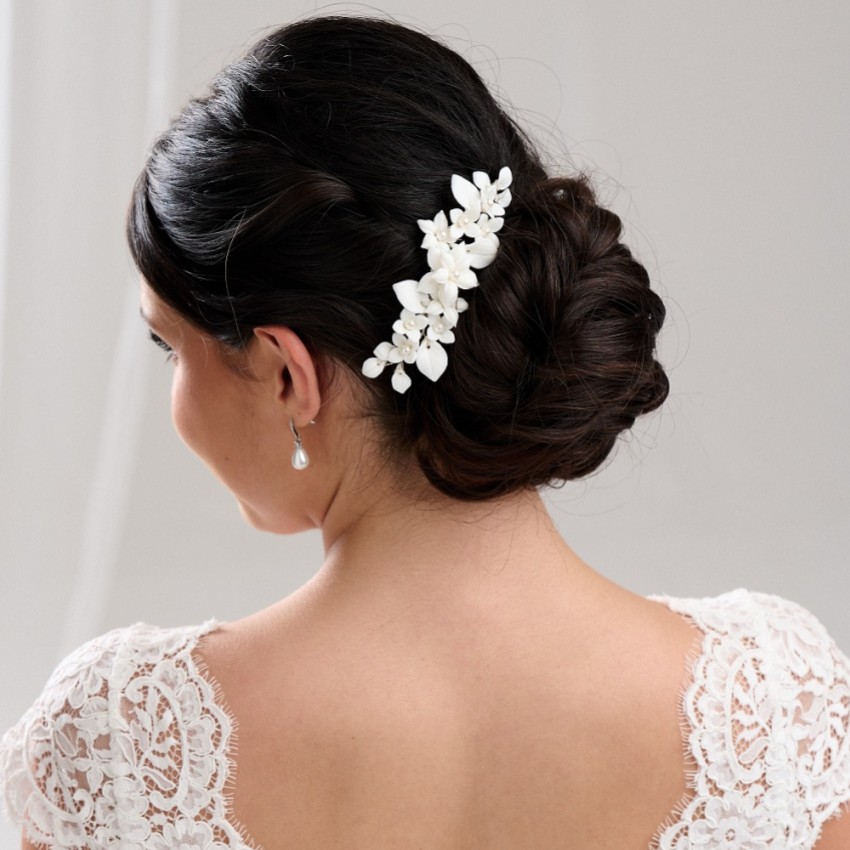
{"points": [[561, 731]]}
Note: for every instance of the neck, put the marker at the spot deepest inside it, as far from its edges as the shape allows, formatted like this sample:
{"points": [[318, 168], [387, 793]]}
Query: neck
{"points": [[424, 550]]}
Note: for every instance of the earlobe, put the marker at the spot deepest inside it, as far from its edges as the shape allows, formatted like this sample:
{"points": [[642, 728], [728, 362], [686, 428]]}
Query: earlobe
{"points": [[293, 371]]}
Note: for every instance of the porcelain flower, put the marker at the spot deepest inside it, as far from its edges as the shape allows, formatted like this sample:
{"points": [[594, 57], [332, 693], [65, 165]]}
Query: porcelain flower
{"points": [[438, 231], [457, 245], [410, 324]]}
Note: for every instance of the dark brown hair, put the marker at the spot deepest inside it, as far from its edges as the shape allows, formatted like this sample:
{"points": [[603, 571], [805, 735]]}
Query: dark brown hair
{"points": [[290, 193]]}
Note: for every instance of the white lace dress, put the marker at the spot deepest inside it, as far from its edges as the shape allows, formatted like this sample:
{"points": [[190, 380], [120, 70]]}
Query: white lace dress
{"points": [[129, 746]]}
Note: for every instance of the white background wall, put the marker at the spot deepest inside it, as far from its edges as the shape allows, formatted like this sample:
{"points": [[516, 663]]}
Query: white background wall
{"points": [[718, 130]]}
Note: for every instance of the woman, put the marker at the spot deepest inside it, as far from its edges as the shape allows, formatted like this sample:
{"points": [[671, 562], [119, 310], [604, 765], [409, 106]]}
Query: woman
{"points": [[387, 322]]}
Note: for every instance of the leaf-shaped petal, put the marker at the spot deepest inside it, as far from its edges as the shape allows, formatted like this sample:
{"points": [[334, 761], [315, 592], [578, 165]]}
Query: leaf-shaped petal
{"points": [[436, 253], [447, 294], [482, 252], [401, 380], [383, 350], [373, 367], [427, 287], [431, 358], [466, 194], [407, 293], [488, 225], [505, 178]]}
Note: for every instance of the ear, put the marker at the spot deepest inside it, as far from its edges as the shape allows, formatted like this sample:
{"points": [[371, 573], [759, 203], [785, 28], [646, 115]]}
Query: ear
{"points": [[282, 358]]}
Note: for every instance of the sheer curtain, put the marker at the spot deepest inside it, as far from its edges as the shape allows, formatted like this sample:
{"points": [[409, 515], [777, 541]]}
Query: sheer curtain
{"points": [[5, 154], [718, 132]]}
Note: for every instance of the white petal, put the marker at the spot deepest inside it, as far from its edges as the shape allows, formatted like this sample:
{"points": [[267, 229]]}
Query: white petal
{"points": [[446, 336], [466, 194], [401, 380], [407, 294], [436, 253], [505, 178], [481, 179], [373, 367], [448, 294], [431, 358], [461, 305], [482, 252], [472, 230], [427, 287], [383, 350], [413, 333], [460, 255]]}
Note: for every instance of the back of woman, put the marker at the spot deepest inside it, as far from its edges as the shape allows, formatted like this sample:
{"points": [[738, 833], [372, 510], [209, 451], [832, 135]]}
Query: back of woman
{"points": [[487, 731], [387, 321]]}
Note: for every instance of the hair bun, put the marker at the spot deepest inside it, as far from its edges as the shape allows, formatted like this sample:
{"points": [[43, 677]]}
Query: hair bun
{"points": [[556, 356], [290, 195]]}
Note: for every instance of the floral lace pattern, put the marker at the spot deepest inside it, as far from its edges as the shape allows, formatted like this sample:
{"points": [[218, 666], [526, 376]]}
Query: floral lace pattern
{"points": [[768, 719], [128, 747]]}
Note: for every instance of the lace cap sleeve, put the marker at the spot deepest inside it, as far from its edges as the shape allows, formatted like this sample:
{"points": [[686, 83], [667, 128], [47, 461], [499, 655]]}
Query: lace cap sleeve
{"points": [[768, 714], [125, 747], [815, 682]]}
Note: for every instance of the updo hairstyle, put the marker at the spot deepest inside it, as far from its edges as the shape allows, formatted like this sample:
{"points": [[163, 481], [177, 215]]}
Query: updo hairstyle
{"points": [[289, 195]]}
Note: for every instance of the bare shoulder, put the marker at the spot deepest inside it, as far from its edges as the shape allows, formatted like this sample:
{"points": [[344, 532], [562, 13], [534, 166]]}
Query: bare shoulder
{"points": [[835, 834]]}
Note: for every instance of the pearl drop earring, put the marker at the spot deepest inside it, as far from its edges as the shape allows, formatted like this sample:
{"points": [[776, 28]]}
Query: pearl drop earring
{"points": [[300, 459]]}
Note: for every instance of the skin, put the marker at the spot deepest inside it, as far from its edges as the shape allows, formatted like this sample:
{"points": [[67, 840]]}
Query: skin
{"points": [[454, 677]]}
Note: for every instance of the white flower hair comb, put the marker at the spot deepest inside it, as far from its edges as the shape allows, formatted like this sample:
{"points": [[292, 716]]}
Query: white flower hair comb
{"points": [[457, 244]]}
